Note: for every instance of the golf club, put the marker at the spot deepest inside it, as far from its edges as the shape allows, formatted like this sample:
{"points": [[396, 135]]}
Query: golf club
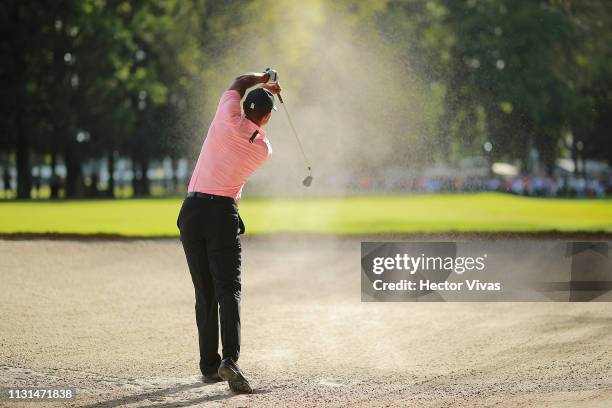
{"points": [[308, 180]]}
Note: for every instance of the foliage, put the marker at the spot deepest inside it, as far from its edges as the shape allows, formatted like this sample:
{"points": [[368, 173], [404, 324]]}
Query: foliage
{"points": [[106, 78]]}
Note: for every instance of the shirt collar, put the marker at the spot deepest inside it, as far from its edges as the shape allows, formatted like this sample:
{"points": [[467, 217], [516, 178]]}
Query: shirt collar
{"points": [[252, 127]]}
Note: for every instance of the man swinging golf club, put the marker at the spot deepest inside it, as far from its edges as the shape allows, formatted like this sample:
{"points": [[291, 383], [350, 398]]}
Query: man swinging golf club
{"points": [[210, 226]]}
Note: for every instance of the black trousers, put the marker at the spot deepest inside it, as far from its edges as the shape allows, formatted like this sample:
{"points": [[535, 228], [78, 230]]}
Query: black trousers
{"points": [[210, 234]]}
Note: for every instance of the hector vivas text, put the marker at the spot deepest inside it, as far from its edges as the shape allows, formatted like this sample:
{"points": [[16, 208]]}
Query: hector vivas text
{"points": [[409, 265]]}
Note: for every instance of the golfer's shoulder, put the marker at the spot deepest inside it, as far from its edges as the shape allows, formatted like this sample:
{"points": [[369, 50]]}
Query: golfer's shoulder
{"points": [[230, 95], [229, 106]]}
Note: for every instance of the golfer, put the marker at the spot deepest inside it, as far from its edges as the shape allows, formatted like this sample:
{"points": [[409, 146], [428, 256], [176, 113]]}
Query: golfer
{"points": [[210, 226]]}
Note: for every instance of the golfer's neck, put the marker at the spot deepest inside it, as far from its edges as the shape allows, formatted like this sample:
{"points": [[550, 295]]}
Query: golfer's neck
{"points": [[256, 122]]}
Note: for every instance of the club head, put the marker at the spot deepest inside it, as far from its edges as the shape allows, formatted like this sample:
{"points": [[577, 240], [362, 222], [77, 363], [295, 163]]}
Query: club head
{"points": [[307, 181]]}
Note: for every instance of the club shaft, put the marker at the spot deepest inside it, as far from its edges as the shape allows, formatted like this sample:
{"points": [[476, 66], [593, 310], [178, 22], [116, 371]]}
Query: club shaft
{"points": [[295, 132]]}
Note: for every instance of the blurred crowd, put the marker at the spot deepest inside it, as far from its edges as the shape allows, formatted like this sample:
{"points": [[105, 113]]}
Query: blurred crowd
{"points": [[536, 186], [164, 182]]}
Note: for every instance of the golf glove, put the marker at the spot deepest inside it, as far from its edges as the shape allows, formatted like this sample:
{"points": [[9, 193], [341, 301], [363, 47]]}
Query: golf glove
{"points": [[273, 79]]}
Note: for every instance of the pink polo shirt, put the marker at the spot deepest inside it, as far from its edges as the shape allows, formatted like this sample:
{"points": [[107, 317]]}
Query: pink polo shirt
{"points": [[227, 158]]}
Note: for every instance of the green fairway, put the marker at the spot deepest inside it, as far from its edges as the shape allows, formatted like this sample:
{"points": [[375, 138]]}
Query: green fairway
{"points": [[352, 215]]}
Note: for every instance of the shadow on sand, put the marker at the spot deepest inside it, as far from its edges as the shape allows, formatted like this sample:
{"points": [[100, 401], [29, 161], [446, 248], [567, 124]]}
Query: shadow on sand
{"points": [[158, 395]]}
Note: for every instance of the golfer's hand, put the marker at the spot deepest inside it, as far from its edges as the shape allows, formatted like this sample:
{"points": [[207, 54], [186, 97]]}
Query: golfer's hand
{"points": [[274, 88], [271, 76]]}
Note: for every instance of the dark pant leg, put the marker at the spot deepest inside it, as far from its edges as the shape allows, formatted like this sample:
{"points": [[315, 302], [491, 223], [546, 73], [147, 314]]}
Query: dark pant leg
{"points": [[207, 317], [192, 222], [224, 258]]}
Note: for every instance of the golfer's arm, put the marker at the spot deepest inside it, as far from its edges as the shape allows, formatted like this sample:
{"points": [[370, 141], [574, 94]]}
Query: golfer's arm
{"points": [[246, 81]]}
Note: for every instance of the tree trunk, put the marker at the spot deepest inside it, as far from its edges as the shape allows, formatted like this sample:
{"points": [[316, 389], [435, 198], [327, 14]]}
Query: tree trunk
{"points": [[546, 144], [135, 178], [174, 164], [73, 174], [22, 144], [525, 154], [24, 173], [574, 155], [53, 163], [54, 182], [110, 192], [144, 183]]}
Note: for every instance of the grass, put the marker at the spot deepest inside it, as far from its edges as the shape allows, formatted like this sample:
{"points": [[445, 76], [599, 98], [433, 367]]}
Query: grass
{"points": [[482, 212]]}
